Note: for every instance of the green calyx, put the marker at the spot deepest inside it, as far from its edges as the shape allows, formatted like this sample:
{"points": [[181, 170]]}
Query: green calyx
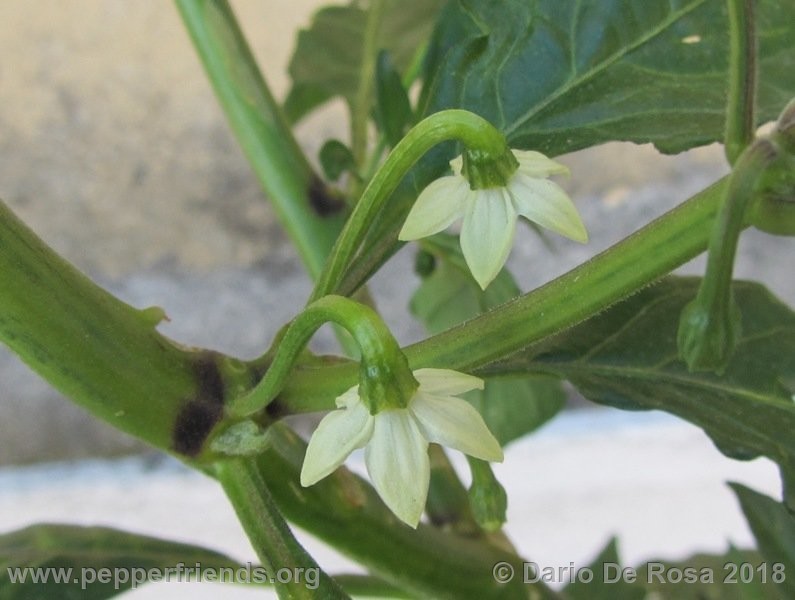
{"points": [[386, 382], [774, 209], [708, 335], [486, 170]]}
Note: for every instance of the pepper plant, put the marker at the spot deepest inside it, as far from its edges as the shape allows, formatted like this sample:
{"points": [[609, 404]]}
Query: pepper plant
{"points": [[457, 110]]}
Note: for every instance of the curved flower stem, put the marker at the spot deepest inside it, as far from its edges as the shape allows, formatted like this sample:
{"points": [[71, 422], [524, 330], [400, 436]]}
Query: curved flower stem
{"points": [[381, 355], [709, 326], [731, 221], [740, 111], [637, 261], [475, 132], [270, 535]]}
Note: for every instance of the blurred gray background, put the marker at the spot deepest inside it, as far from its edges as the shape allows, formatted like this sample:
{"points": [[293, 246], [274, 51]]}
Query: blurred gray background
{"points": [[113, 149]]}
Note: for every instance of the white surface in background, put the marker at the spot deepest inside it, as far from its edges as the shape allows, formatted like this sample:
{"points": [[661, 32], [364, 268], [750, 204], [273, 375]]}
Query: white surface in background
{"points": [[652, 480]]}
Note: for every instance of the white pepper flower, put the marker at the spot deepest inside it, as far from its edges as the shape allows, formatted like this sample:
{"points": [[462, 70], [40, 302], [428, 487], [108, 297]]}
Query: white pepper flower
{"points": [[490, 214], [396, 439]]}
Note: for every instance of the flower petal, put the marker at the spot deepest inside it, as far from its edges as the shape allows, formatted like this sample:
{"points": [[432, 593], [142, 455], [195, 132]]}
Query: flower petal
{"points": [[454, 423], [537, 165], [349, 397], [487, 233], [437, 206], [457, 164], [545, 203], [397, 461], [446, 382], [338, 434]]}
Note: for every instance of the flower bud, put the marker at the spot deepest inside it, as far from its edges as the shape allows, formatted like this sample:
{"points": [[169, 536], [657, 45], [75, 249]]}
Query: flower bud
{"points": [[774, 210], [487, 497], [708, 334]]}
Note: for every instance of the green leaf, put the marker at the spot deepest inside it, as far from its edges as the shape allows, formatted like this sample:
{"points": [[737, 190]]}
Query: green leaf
{"points": [[510, 406], [736, 575], [514, 406], [627, 357], [608, 581], [392, 107], [449, 295], [335, 158], [560, 76], [328, 57], [82, 552], [774, 529]]}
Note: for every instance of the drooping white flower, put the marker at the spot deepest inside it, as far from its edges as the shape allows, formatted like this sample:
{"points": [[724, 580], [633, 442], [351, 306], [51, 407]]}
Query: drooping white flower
{"points": [[490, 214], [396, 440]]}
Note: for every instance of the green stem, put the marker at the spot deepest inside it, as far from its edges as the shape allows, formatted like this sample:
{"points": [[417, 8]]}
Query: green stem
{"points": [[448, 504], [104, 354], [740, 119], [360, 111], [381, 358], [732, 219], [636, 261], [709, 327], [475, 132], [366, 586], [633, 263], [272, 539], [311, 218]]}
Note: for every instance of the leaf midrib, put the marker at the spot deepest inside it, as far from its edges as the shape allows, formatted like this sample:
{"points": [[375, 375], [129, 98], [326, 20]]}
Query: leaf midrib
{"points": [[585, 76]]}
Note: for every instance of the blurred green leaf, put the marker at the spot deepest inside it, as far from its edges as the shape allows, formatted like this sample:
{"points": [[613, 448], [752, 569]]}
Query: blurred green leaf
{"points": [[609, 582], [627, 357], [511, 406], [736, 575], [449, 295], [514, 406], [335, 158], [560, 76], [392, 107], [774, 529], [87, 550], [327, 61]]}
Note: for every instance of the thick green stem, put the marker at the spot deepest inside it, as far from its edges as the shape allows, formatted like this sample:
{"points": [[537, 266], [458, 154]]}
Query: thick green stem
{"points": [[637, 261], [295, 573], [475, 132], [382, 362], [108, 357], [740, 111], [104, 354], [310, 216]]}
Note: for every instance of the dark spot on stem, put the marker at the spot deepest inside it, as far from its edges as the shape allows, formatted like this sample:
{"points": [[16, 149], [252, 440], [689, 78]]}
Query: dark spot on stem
{"points": [[209, 379], [321, 200], [276, 410], [199, 414], [194, 423]]}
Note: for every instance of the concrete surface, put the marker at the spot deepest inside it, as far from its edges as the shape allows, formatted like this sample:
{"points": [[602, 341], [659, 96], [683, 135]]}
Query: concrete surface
{"points": [[114, 150]]}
